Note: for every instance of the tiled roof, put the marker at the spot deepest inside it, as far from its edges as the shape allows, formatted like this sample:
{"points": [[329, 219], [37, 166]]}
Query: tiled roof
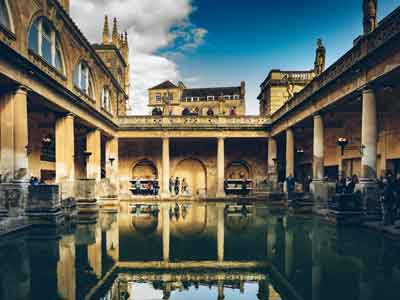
{"points": [[211, 92], [165, 85]]}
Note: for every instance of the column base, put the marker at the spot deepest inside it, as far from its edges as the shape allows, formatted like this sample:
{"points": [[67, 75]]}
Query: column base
{"points": [[320, 191], [370, 197]]}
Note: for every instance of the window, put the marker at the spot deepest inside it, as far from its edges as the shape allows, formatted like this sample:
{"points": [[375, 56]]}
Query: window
{"points": [[236, 97], [158, 97], [43, 41], [48, 151], [227, 97], [82, 79], [195, 99], [106, 99], [5, 20], [210, 98]]}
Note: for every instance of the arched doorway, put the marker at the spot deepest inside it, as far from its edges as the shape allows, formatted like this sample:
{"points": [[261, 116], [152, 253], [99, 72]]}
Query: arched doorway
{"points": [[144, 169], [238, 170], [194, 172]]}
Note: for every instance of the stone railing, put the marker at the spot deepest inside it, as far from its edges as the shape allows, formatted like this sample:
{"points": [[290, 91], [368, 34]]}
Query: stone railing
{"points": [[160, 122], [387, 29], [298, 75]]}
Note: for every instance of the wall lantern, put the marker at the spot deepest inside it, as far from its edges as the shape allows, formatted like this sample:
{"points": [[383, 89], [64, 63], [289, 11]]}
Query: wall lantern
{"points": [[86, 155], [111, 159], [342, 142]]}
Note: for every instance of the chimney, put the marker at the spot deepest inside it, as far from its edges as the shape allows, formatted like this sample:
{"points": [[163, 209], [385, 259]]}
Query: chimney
{"points": [[242, 89]]}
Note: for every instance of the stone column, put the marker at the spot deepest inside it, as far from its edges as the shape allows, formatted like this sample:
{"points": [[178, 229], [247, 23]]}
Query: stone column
{"points": [[112, 164], [289, 152], [272, 161], [165, 232], [7, 137], [94, 254], [165, 168], [220, 232], [318, 187], [93, 146], [369, 145], [221, 294], [65, 141], [21, 143], [220, 168]]}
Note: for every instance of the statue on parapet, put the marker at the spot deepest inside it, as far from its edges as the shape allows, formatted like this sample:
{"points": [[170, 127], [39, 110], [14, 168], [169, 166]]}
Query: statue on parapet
{"points": [[370, 10]]}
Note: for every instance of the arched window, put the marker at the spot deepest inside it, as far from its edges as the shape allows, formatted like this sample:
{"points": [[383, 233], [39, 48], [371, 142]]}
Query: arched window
{"points": [[5, 18], [43, 41], [82, 79], [106, 99]]}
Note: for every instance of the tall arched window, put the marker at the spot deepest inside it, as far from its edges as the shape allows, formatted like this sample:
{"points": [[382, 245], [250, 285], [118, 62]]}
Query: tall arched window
{"points": [[5, 18], [106, 99], [82, 79], [43, 41]]}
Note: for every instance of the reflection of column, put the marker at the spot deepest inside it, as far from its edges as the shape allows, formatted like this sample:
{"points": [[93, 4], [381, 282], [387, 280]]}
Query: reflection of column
{"points": [[112, 162], [263, 290], [288, 252], [165, 167], [271, 237], [94, 253], [221, 168], [220, 232], [165, 232], [289, 152], [272, 160], [318, 149], [93, 146], [369, 133], [65, 167], [66, 273], [221, 295], [112, 236]]}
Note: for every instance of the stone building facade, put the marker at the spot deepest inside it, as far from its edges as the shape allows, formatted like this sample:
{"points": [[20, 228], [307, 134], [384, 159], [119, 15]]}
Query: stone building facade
{"points": [[170, 99], [63, 104]]}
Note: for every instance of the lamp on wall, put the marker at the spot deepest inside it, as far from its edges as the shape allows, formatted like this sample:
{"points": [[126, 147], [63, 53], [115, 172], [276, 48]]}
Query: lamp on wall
{"points": [[86, 155], [342, 142], [111, 159]]}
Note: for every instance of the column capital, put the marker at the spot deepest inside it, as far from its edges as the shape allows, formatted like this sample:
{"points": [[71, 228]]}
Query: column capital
{"points": [[367, 88], [22, 89]]}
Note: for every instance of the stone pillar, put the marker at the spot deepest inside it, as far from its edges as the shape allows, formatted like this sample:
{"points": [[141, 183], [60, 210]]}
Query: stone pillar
{"points": [[369, 145], [65, 149], [220, 232], [318, 187], [221, 168], [165, 232], [93, 146], [289, 152], [165, 168], [21, 144], [112, 164], [272, 162], [289, 241]]}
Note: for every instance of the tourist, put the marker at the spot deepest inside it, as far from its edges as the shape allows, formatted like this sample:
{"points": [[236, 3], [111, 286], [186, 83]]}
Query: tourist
{"points": [[156, 187], [290, 184], [350, 185], [307, 184], [184, 186], [171, 185], [341, 185], [387, 191], [177, 186]]}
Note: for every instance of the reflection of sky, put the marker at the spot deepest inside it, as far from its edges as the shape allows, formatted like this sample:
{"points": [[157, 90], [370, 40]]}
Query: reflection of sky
{"points": [[145, 291]]}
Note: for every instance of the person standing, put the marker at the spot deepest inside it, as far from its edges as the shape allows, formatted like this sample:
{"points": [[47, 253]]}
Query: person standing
{"points": [[387, 198], [177, 186], [184, 187], [290, 185], [171, 184]]}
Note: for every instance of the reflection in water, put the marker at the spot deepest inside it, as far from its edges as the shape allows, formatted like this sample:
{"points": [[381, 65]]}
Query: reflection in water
{"points": [[199, 251]]}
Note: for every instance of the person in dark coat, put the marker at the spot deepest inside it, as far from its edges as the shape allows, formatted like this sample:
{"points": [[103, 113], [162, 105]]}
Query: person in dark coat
{"points": [[388, 198], [177, 186]]}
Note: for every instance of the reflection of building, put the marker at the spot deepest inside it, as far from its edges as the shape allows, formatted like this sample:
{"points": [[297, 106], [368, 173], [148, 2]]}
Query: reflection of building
{"points": [[170, 99]]}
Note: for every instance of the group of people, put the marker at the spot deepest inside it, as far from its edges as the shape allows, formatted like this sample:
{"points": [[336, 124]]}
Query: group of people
{"points": [[346, 185], [149, 187], [389, 190], [35, 181], [177, 187]]}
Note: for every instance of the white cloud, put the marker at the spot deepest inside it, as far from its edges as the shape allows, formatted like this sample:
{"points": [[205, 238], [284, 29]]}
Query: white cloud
{"points": [[152, 25]]}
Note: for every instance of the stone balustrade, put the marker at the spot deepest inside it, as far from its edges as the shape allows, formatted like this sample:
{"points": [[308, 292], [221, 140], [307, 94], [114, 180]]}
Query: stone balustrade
{"points": [[148, 122]]}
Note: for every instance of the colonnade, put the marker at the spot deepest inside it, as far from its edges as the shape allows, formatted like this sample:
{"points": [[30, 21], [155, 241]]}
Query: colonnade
{"points": [[369, 145]]}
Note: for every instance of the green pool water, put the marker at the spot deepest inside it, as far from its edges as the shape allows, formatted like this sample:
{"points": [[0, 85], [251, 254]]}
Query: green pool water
{"points": [[199, 251]]}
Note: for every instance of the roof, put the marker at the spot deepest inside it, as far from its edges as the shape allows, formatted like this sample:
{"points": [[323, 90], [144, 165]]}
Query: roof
{"points": [[218, 91], [165, 85]]}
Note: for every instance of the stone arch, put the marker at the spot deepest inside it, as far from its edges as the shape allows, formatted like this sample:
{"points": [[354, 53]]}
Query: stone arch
{"points": [[238, 169], [144, 169], [195, 173]]}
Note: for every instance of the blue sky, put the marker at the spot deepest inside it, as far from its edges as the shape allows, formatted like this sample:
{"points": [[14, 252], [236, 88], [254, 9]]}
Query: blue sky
{"points": [[245, 39], [209, 43]]}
